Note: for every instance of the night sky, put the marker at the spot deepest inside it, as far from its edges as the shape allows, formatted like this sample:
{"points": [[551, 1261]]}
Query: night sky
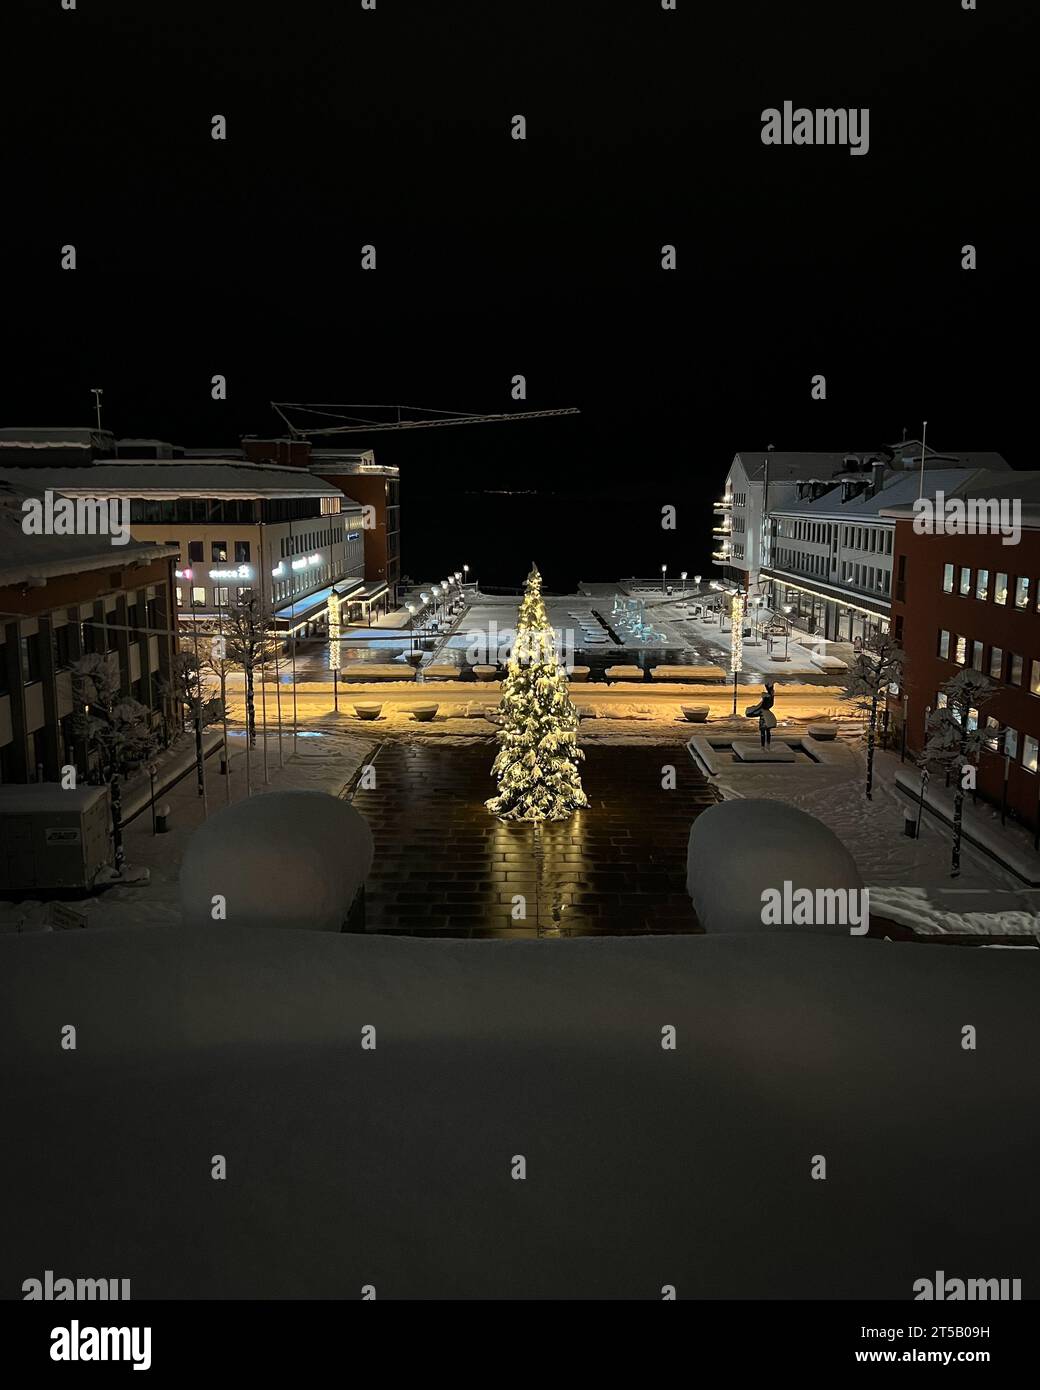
{"points": [[496, 257]]}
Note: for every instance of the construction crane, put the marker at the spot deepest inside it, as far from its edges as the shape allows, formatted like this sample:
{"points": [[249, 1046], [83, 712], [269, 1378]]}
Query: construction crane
{"points": [[427, 418]]}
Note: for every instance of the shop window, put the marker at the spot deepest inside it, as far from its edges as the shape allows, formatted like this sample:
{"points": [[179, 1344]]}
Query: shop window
{"points": [[962, 651], [198, 597], [180, 597], [1000, 589]]}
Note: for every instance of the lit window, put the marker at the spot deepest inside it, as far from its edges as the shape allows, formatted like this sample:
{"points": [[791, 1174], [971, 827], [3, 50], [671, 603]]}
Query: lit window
{"points": [[982, 584], [1014, 669], [1029, 752], [973, 720], [198, 597], [1034, 677], [962, 651], [992, 733], [220, 596], [180, 597], [940, 701], [965, 585], [218, 551], [947, 579], [976, 656], [1000, 592], [944, 644], [1021, 593], [996, 662]]}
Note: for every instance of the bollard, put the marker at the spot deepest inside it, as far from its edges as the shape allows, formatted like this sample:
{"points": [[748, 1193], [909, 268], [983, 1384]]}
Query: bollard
{"points": [[162, 816], [910, 824]]}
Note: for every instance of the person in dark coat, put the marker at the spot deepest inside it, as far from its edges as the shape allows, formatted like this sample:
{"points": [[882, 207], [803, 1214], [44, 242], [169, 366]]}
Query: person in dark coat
{"points": [[766, 717]]}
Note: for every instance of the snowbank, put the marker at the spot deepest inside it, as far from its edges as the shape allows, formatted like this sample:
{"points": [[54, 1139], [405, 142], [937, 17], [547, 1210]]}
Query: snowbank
{"points": [[645, 1165]]}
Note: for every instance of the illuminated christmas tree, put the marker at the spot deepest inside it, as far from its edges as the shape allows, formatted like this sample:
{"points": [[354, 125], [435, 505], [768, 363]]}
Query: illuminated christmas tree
{"points": [[538, 756]]}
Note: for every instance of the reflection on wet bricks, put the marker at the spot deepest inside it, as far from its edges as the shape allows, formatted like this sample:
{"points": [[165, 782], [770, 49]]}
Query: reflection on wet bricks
{"points": [[445, 866]]}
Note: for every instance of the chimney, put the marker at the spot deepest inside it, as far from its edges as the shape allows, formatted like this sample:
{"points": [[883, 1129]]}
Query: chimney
{"points": [[287, 453]]}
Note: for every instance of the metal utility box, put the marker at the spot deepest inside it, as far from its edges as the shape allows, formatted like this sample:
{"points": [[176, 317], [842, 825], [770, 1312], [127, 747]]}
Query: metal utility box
{"points": [[51, 838]]}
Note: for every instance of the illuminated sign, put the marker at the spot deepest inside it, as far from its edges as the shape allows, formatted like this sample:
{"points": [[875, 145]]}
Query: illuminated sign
{"points": [[354, 536], [183, 574], [243, 572], [303, 562]]}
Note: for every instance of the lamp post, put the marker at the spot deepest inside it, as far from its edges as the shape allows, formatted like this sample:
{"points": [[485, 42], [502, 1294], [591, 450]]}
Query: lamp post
{"points": [[411, 615], [736, 642], [682, 576], [664, 571]]}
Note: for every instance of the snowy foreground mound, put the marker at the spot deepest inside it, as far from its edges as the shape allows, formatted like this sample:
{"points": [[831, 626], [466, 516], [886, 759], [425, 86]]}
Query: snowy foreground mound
{"points": [[392, 1167]]}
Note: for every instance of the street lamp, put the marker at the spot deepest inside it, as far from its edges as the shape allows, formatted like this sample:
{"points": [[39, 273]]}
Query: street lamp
{"points": [[682, 576], [664, 571], [411, 614]]}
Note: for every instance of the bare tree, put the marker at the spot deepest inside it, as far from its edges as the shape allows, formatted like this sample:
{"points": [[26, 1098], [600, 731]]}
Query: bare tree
{"points": [[955, 742], [248, 645], [878, 664], [186, 685], [115, 727]]}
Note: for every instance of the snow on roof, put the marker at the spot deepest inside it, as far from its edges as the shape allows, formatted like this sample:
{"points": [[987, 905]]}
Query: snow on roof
{"points": [[984, 485], [897, 489], [168, 478], [24, 558]]}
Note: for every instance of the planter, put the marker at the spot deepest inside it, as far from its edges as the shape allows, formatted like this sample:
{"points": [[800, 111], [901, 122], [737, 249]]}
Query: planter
{"points": [[367, 711], [696, 714], [424, 712]]}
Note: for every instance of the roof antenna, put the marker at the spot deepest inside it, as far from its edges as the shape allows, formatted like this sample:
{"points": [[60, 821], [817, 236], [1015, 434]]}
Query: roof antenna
{"points": [[924, 431], [97, 392]]}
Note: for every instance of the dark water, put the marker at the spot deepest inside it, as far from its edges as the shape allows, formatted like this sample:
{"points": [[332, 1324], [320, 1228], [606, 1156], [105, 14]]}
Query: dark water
{"points": [[570, 536]]}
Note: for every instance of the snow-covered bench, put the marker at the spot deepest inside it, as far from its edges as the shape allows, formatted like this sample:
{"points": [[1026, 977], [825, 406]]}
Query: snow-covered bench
{"points": [[828, 663], [688, 673], [376, 671], [624, 673]]}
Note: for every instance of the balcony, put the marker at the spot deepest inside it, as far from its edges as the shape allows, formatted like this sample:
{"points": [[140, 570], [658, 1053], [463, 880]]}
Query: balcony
{"points": [[725, 504]]}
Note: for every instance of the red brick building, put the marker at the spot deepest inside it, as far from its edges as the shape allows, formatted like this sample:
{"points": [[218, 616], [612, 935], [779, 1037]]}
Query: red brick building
{"points": [[62, 597], [972, 601]]}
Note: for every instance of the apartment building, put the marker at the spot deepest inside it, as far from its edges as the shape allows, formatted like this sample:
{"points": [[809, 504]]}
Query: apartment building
{"points": [[63, 597], [241, 528], [972, 601], [829, 551]]}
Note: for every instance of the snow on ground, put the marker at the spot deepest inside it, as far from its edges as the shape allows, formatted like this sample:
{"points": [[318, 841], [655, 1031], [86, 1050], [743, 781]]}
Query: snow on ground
{"points": [[645, 1166], [909, 879], [325, 760]]}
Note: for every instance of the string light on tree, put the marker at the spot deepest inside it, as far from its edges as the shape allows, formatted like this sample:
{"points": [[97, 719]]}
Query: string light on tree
{"points": [[736, 642], [538, 755]]}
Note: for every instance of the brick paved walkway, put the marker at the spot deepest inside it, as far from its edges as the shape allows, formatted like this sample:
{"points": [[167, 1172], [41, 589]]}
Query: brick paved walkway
{"points": [[444, 865]]}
